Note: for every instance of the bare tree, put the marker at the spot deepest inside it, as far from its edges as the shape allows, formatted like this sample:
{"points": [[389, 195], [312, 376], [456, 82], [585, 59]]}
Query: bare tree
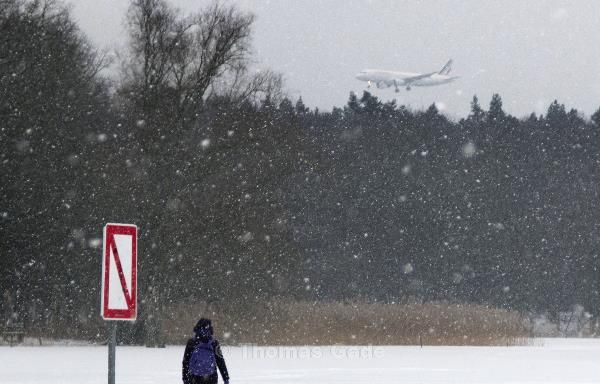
{"points": [[239, 85], [220, 43], [51, 102], [174, 61], [181, 57]]}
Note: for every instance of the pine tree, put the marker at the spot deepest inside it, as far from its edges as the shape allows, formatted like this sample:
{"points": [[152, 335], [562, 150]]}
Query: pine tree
{"points": [[285, 107], [596, 117], [556, 112], [371, 104], [432, 111], [496, 113], [353, 103], [532, 118], [477, 113], [301, 109]]}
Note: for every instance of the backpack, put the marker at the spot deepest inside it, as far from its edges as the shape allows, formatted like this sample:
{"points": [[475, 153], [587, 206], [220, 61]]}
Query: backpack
{"points": [[203, 361]]}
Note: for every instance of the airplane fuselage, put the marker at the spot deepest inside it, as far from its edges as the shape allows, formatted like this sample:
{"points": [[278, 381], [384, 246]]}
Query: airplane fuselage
{"points": [[384, 79]]}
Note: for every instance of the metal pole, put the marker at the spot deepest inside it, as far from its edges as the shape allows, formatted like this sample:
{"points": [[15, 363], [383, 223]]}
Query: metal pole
{"points": [[112, 346]]}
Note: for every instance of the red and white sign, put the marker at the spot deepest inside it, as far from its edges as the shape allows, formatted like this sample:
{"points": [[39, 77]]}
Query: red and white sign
{"points": [[119, 272]]}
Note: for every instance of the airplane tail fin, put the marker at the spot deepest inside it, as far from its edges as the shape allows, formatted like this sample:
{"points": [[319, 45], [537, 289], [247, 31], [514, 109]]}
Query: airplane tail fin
{"points": [[446, 68]]}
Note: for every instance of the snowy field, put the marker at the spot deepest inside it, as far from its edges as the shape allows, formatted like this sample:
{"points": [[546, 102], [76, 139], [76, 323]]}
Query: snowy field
{"points": [[549, 361]]}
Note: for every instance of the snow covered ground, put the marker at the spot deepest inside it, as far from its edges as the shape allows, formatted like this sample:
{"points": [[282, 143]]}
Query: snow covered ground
{"points": [[549, 361]]}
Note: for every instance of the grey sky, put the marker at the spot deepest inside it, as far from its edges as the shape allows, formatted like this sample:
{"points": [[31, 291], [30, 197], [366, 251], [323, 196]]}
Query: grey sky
{"points": [[531, 52]]}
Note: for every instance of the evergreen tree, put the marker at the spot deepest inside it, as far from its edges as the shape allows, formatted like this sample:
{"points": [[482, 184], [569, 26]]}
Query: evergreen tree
{"points": [[353, 104], [389, 108], [301, 109], [496, 113], [532, 118], [556, 113], [286, 108], [432, 111], [575, 118], [477, 113], [596, 117], [370, 104]]}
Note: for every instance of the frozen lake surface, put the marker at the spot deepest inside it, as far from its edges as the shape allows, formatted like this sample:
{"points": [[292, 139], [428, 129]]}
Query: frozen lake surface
{"points": [[549, 361]]}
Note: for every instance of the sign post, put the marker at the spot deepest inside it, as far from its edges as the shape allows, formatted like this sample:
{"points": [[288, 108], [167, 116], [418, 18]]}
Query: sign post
{"points": [[119, 283], [112, 346]]}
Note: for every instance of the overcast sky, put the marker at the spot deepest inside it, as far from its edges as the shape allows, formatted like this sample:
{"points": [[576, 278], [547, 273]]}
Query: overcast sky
{"points": [[531, 52]]}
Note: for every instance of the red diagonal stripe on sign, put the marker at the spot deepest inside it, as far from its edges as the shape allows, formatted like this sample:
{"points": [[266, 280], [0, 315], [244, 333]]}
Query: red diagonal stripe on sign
{"points": [[113, 246]]}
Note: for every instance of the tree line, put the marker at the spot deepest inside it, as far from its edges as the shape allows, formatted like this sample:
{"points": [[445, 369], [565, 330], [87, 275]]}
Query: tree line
{"points": [[242, 195]]}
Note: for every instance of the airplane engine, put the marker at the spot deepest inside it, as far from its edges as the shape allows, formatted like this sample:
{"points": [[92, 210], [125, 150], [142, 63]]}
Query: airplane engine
{"points": [[381, 84]]}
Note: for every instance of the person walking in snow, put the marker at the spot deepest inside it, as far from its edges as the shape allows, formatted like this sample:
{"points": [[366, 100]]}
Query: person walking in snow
{"points": [[203, 356]]}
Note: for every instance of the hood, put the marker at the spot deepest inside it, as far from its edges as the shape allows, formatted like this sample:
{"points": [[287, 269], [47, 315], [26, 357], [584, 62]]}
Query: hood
{"points": [[204, 330]]}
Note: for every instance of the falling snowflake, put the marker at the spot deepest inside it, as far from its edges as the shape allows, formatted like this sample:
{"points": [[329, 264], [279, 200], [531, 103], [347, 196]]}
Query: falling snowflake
{"points": [[469, 150]]}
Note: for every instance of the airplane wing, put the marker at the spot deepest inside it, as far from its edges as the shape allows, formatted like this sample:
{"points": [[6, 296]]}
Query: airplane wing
{"points": [[408, 80]]}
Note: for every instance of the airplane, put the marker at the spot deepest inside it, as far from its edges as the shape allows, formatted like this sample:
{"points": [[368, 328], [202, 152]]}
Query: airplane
{"points": [[385, 79]]}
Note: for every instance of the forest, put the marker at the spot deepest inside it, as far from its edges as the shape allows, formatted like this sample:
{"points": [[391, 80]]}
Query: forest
{"points": [[242, 195]]}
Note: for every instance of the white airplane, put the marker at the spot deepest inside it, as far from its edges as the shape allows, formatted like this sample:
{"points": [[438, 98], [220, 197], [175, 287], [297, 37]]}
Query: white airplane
{"points": [[385, 79]]}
